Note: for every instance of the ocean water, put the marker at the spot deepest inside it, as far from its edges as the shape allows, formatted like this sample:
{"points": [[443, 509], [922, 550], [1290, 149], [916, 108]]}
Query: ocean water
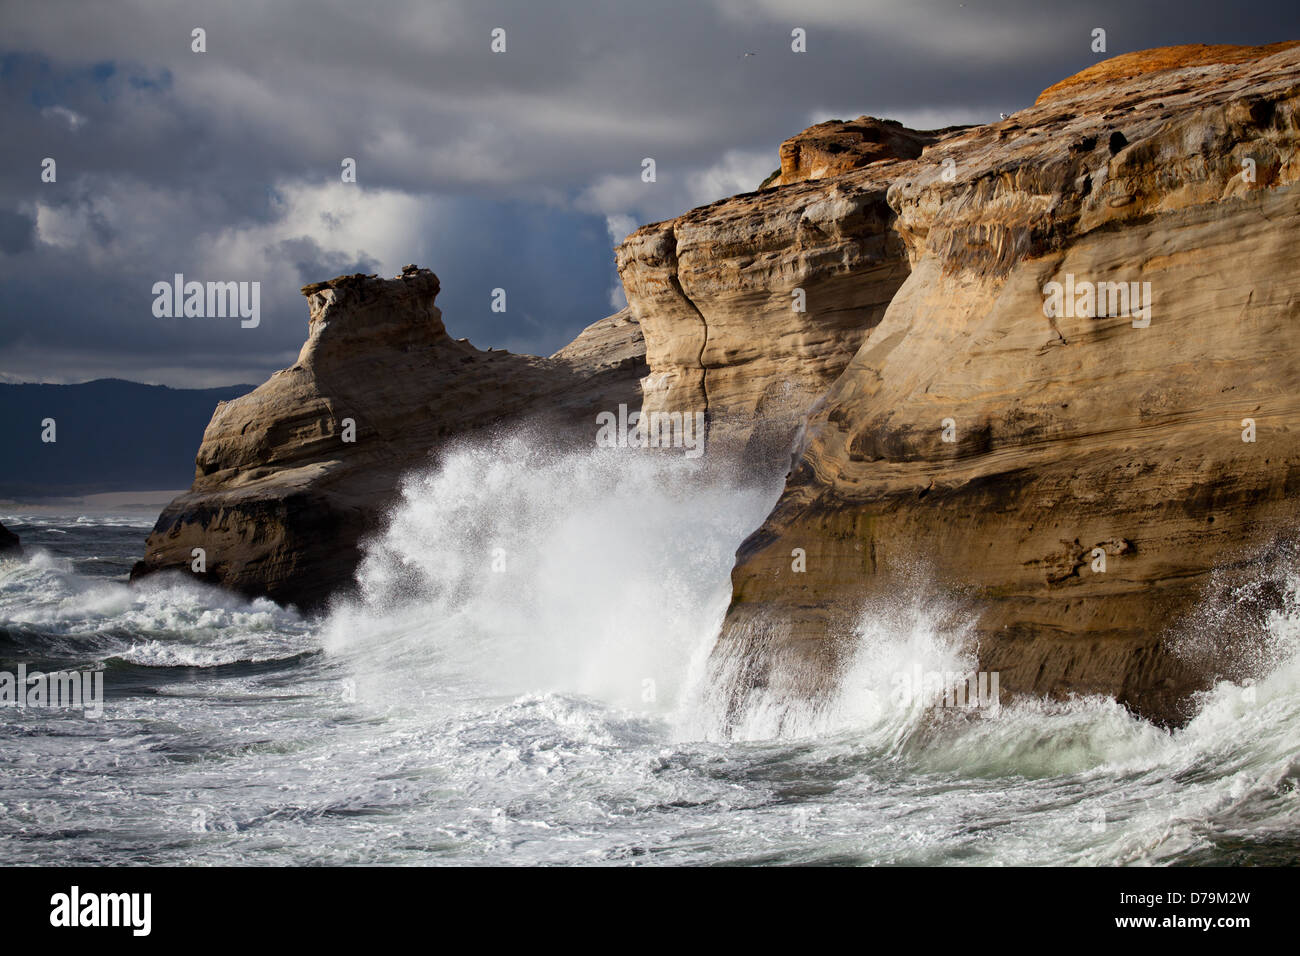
{"points": [[526, 678]]}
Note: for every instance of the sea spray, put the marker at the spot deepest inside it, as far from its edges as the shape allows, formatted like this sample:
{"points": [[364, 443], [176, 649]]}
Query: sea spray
{"points": [[601, 572], [901, 660]]}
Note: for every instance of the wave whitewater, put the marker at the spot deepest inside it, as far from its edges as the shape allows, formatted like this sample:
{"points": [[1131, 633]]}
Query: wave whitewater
{"points": [[526, 676]]}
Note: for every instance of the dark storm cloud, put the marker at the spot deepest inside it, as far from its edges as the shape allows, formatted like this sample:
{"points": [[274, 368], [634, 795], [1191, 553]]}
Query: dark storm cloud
{"points": [[17, 232], [311, 261], [508, 170]]}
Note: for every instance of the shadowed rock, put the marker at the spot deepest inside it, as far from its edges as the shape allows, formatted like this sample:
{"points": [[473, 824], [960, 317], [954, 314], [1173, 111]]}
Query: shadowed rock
{"points": [[9, 543]]}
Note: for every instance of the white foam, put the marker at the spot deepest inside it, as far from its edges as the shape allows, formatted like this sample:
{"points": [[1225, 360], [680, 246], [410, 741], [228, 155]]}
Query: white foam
{"points": [[599, 573], [500, 717], [164, 620]]}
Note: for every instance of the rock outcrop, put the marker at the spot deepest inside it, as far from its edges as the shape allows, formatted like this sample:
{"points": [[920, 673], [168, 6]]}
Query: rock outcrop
{"points": [[996, 451], [9, 543], [836, 146], [752, 306], [292, 476]]}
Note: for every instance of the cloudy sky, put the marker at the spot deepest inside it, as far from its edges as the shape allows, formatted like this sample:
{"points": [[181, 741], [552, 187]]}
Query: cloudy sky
{"points": [[516, 170]]}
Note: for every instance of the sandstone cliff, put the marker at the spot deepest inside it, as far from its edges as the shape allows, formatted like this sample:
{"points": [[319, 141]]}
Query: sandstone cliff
{"points": [[753, 306], [994, 451], [883, 312], [292, 476]]}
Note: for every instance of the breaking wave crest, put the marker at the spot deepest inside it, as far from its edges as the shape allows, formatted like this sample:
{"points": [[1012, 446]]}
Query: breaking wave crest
{"points": [[602, 573]]}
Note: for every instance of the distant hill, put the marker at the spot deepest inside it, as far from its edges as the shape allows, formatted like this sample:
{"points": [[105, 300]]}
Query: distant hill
{"points": [[112, 435]]}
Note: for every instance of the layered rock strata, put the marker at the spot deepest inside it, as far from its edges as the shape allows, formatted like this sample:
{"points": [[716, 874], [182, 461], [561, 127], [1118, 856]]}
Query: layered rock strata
{"points": [[752, 306], [982, 450]]}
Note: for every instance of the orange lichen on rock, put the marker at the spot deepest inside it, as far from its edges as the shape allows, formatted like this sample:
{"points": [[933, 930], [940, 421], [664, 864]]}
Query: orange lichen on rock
{"points": [[1128, 65]]}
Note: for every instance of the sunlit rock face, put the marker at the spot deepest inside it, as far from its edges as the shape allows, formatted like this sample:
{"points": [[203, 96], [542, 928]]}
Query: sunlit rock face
{"points": [[754, 305], [837, 146], [995, 454]]}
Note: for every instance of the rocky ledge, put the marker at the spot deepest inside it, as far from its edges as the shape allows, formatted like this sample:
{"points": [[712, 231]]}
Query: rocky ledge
{"points": [[752, 306], [836, 146], [292, 476]]}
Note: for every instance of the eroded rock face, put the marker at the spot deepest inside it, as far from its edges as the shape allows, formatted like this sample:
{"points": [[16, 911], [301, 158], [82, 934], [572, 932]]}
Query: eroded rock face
{"points": [[836, 146], [752, 306], [1071, 435], [281, 500]]}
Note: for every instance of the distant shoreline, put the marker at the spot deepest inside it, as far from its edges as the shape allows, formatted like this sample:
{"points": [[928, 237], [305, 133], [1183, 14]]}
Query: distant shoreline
{"points": [[116, 500]]}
